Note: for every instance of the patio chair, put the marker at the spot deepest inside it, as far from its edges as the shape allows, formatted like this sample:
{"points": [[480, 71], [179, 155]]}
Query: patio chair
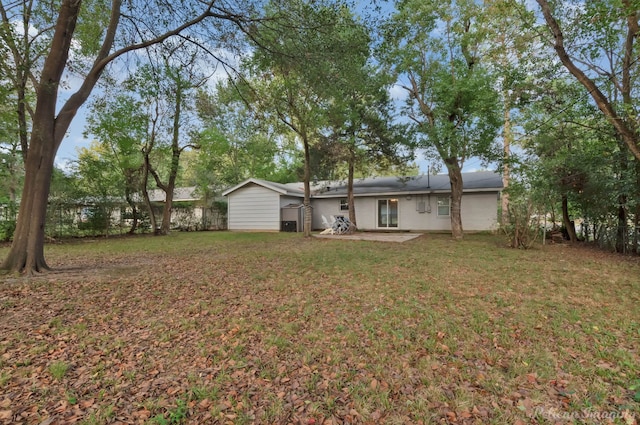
{"points": [[328, 227]]}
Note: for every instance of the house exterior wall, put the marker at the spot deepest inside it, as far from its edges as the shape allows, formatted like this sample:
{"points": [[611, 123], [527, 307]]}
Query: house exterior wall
{"points": [[254, 207], [288, 200], [327, 207], [479, 212]]}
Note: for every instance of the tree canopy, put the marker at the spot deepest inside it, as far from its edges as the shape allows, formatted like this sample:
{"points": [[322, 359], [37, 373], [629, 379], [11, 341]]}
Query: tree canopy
{"points": [[296, 90]]}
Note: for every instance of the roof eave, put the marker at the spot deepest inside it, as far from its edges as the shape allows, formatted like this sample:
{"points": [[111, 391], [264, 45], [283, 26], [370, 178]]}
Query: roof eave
{"points": [[405, 193], [257, 182]]}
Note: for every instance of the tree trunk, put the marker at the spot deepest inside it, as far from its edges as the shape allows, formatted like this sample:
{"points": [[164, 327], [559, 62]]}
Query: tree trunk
{"points": [[165, 229], [622, 230], [350, 199], [507, 136], [455, 180], [636, 229], [27, 249], [566, 220], [307, 188], [134, 212], [145, 193]]}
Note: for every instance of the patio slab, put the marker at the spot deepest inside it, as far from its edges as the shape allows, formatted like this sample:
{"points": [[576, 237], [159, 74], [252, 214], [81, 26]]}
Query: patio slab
{"points": [[370, 236]]}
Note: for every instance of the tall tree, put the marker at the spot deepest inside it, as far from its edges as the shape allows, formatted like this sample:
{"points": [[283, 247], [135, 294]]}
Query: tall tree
{"points": [[100, 183], [435, 49], [130, 26], [360, 125], [291, 90], [512, 58], [578, 162], [119, 124], [169, 86]]}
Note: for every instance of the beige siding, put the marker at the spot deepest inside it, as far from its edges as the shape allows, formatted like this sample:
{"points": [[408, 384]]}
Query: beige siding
{"points": [[288, 200], [412, 219], [326, 207], [254, 207], [479, 212]]}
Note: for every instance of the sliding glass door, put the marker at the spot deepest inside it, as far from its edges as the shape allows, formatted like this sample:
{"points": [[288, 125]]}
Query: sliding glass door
{"points": [[387, 213]]}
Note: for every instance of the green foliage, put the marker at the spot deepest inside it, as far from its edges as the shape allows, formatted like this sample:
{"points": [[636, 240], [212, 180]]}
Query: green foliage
{"points": [[91, 26], [7, 227], [220, 206], [305, 100], [96, 219], [235, 145], [434, 48], [572, 152], [524, 226], [175, 416]]}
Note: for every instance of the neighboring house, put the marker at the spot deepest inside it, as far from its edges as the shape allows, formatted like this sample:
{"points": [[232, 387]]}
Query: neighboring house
{"points": [[188, 211], [419, 203]]}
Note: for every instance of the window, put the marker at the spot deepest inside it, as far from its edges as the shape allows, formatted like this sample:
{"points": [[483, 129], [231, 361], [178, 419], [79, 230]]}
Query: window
{"points": [[344, 205], [444, 206], [387, 213]]}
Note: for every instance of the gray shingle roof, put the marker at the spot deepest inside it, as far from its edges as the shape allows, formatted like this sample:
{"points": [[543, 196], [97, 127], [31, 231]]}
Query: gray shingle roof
{"points": [[475, 181], [373, 186], [179, 194]]}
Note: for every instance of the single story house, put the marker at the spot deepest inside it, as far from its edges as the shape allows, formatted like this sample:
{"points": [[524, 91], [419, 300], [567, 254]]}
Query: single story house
{"points": [[417, 203]]}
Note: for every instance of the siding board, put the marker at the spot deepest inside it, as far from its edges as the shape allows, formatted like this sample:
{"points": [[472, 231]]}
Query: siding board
{"points": [[254, 207]]}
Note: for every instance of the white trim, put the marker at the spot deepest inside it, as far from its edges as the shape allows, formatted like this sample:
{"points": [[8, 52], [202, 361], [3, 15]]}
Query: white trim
{"points": [[262, 183], [377, 207], [401, 194], [448, 215]]}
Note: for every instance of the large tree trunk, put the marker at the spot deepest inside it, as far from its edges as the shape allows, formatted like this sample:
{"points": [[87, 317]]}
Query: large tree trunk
{"points": [[455, 180], [27, 249]]}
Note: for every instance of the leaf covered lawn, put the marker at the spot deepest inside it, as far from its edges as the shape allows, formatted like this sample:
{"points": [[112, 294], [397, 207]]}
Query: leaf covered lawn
{"points": [[273, 329]]}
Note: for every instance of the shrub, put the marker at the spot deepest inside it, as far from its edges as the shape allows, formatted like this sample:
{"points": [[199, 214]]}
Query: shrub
{"points": [[7, 228]]}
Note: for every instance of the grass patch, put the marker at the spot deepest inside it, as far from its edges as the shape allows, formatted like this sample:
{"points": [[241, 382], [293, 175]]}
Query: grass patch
{"points": [[58, 370], [274, 328]]}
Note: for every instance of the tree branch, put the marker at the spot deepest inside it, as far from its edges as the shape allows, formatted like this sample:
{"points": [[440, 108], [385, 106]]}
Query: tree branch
{"points": [[626, 133]]}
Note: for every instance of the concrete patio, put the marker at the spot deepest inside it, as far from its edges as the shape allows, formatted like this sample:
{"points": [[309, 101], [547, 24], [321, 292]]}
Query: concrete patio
{"points": [[371, 236]]}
